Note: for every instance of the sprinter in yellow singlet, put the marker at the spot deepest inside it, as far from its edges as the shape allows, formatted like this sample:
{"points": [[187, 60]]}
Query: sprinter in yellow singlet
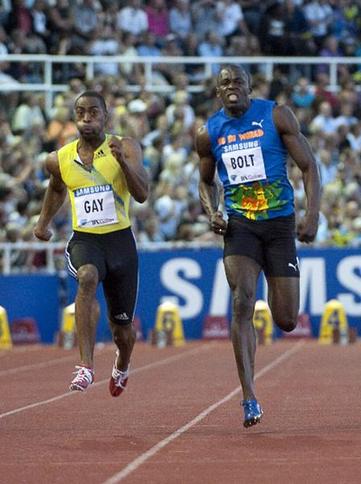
{"points": [[100, 173]]}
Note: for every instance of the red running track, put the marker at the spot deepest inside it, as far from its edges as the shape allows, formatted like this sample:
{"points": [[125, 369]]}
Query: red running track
{"points": [[179, 421]]}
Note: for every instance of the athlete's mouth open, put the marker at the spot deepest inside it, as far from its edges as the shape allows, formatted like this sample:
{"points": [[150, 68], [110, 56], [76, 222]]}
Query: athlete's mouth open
{"points": [[232, 96], [87, 129]]}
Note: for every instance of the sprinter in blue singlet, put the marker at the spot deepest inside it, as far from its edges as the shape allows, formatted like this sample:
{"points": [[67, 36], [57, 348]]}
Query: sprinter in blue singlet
{"points": [[247, 142]]}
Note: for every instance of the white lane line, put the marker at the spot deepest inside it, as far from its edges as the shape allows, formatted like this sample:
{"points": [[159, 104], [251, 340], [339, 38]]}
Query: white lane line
{"points": [[165, 361], [136, 463], [44, 364], [21, 349]]}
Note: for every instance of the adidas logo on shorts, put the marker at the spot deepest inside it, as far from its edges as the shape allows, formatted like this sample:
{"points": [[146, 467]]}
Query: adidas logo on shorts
{"points": [[121, 316]]}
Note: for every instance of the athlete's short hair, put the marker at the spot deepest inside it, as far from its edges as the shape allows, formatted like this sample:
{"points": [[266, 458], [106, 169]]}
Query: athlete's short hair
{"points": [[92, 94]]}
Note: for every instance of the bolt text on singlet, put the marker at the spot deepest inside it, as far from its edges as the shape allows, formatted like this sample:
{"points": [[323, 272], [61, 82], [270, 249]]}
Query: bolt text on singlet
{"points": [[242, 161]]}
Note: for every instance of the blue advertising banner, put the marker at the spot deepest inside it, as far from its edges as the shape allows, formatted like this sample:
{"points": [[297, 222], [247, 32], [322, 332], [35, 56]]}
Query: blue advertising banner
{"points": [[32, 296], [195, 280]]}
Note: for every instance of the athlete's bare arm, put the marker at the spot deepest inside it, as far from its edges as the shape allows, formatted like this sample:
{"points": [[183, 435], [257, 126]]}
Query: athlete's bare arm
{"points": [[54, 198], [300, 151], [208, 190], [129, 155]]}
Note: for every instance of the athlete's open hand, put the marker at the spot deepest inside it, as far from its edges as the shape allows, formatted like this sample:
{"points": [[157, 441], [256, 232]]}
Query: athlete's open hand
{"points": [[307, 228], [116, 148], [218, 224], [42, 233]]}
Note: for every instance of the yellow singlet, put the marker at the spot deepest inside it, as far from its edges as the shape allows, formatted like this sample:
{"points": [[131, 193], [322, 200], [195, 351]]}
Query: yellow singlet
{"points": [[99, 198]]}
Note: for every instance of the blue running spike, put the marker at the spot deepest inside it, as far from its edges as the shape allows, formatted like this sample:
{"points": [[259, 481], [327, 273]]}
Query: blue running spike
{"points": [[252, 412]]}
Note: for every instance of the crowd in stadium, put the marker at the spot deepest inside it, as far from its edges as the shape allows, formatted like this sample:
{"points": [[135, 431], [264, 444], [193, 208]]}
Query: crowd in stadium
{"points": [[165, 123]]}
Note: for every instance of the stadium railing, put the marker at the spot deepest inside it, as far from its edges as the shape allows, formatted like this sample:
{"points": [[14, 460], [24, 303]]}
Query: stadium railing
{"points": [[265, 65], [54, 249]]}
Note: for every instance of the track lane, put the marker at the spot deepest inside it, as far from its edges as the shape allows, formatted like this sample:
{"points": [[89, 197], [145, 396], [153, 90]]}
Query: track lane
{"points": [[306, 436], [91, 437], [88, 437]]}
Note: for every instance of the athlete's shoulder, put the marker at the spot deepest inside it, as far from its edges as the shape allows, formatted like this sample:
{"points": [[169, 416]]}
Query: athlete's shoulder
{"points": [[202, 138], [52, 163], [68, 147], [216, 115], [215, 122], [263, 103]]}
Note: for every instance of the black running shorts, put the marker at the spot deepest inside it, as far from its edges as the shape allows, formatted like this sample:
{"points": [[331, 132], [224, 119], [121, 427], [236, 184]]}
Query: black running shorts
{"points": [[271, 243], [115, 256]]}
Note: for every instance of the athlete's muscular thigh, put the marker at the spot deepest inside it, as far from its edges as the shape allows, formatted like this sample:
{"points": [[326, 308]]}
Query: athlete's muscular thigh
{"points": [[283, 299], [242, 275]]}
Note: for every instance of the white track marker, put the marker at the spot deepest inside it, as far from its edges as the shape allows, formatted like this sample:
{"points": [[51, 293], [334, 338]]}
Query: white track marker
{"points": [[136, 463]]}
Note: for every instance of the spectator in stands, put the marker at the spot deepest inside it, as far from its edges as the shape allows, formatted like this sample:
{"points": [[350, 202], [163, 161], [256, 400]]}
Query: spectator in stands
{"points": [[171, 48], [324, 121], [180, 19], [137, 119], [194, 71], [346, 116], [272, 30], [61, 128], [354, 137], [211, 46], [158, 19], [60, 24], [303, 95], [260, 86], [240, 45], [176, 151], [204, 13], [299, 36], [3, 41], [147, 46], [28, 114], [85, 25], [153, 159], [343, 24], [328, 169], [132, 18], [20, 18], [105, 43], [150, 231], [180, 107], [323, 93], [40, 20], [130, 70], [252, 11], [349, 93], [330, 48], [230, 19], [5, 9], [168, 218], [319, 16]]}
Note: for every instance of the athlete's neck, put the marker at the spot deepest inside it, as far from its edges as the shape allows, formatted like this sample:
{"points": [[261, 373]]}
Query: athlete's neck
{"points": [[91, 144], [237, 111]]}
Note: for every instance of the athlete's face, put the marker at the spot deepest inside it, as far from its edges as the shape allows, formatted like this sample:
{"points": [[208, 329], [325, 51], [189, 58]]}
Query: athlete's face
{"points": [[90, 117], [233, 89]]}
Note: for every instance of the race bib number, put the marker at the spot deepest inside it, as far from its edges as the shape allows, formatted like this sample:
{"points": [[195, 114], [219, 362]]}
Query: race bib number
{"points": [[244, 165], [95, 206]]}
